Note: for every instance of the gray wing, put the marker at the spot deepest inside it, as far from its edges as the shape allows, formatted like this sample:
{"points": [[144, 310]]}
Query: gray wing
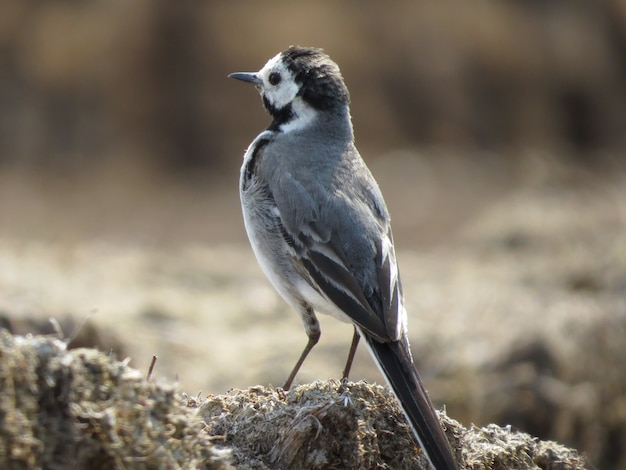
{"points": [[341, 237]]}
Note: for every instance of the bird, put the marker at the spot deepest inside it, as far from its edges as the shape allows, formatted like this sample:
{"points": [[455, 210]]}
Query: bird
{"points": [[320, 229]]}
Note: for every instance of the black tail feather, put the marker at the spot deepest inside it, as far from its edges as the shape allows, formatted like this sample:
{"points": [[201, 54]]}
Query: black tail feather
{"points": [[395, 361]]}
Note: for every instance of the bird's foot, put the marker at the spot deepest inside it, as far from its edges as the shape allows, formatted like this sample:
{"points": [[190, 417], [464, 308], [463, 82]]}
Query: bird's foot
{"points": [[344, 392]]}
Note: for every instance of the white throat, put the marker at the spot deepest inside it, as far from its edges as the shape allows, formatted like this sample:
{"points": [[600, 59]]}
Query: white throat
{"points": [[303, 116]]}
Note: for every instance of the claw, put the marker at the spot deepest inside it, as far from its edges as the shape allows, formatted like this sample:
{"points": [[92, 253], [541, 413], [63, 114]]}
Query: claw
{"points": [[344, 394]]}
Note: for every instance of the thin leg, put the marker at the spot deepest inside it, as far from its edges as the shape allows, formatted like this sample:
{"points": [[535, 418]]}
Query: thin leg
{"points": [[355, 342], [313, 339]]}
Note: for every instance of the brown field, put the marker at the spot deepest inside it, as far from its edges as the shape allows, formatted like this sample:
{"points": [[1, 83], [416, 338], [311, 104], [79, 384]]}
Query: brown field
{"points": [[497, 134]]}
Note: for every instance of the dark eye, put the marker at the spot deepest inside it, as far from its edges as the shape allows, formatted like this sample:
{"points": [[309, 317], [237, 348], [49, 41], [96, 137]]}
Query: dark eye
{"points": [[275, 78]]}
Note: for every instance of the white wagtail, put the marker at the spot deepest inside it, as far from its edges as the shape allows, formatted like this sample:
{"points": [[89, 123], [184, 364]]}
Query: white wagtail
{"points": [[320, 229]]}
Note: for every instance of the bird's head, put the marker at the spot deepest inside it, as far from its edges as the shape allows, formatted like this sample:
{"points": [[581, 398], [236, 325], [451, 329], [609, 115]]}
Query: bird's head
{"points": [[298, 83]]}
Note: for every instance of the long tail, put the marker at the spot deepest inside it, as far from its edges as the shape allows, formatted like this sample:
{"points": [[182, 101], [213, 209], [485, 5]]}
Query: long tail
{"points": [[395, 362]]}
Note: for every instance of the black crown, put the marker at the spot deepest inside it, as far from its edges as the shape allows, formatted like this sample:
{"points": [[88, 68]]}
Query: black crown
{"points": [[321, 83]]}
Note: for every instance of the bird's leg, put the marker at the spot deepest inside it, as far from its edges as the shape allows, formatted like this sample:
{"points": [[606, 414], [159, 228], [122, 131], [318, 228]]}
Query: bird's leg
{"points": [[313, 331], [346, 370], [313, 339]]}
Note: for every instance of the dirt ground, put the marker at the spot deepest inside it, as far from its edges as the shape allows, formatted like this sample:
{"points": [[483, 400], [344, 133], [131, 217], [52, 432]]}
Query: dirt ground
{"points": [[514, 277]]}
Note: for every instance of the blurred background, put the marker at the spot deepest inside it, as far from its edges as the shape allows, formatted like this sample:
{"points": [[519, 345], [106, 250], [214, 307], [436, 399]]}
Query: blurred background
{"points": [[497, 131]]}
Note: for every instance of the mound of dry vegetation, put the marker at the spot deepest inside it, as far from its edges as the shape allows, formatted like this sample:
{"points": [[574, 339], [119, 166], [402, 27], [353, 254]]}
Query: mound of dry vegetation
{"points": [[82, 409]]}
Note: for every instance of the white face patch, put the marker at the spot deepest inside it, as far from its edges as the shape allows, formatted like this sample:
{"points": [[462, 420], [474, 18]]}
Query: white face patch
{"points": [[280, 89], [282, 93]]}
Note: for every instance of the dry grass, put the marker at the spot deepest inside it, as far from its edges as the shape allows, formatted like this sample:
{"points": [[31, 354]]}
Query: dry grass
{"points": [[516, 308], [120, 139], [83, 409]]}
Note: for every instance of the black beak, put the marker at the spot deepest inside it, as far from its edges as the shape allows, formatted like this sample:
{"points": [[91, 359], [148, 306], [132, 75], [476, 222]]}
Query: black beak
{"points": [[247, 77]]}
